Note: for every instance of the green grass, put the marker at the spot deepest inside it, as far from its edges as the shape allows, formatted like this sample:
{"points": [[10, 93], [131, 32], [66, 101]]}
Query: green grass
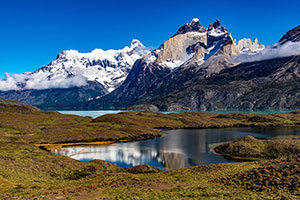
{"points": [[250, 148], [28, 172]]}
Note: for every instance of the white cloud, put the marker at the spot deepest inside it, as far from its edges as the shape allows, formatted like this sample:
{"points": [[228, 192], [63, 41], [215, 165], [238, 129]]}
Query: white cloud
{"points": [[270, 52], [40, 81], [8, 84]]}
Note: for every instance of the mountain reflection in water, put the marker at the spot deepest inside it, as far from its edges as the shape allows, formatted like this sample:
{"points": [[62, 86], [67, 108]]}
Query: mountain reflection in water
{"points": [[175, 149]]}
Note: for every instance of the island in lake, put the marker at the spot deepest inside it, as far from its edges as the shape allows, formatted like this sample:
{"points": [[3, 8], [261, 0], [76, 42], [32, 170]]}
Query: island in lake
{"points": [[266, 168], [197, 111]]}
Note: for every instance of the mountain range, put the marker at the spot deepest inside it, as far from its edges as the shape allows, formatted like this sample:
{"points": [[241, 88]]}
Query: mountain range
{"points": [[197, 68], [73, 78]]}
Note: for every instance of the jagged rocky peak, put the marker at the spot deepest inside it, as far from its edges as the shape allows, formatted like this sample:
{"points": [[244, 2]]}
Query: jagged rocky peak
{"points": [[291, 36], [193, 26], [193, 44], [246, 45], [219, 41], [173, 52], [216, 29]]}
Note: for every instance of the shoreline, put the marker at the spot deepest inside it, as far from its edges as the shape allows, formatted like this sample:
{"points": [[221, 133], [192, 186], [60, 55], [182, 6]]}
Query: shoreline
{"points": [[30, 170], [58, 146]]}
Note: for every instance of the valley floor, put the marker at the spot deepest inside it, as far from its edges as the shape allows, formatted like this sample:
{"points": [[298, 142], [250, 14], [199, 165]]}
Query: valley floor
{"points": [[31, 172]]}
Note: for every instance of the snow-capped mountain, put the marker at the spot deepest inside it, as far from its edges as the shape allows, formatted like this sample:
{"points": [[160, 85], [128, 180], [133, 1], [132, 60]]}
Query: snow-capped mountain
{"points": [[204, 69], [74, 69], [191, 51], [218, 74], [73, 79], [196, 68], [191, 43]]}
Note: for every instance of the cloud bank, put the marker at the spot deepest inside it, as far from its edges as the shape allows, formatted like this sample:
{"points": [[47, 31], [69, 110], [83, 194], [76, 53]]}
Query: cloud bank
{"points": [[270, 52], [40, 81]]}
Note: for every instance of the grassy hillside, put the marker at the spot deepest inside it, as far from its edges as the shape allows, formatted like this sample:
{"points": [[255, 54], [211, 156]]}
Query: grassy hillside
{"points": [[28, 172]]}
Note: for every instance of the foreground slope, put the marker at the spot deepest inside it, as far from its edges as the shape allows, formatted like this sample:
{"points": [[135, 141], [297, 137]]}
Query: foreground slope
{"points": [[29, 172]]}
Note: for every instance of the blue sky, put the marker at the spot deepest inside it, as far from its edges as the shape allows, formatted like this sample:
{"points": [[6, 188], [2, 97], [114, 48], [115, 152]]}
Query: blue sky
{"points": [[33, 32]]}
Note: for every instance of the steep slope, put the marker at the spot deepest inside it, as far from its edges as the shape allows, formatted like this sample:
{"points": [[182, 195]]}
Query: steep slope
{"points": [[16, 107], [270, 84], [192, 51], [208, 80], [73, 78], [61, 98], [260, 85], [291, 36]]}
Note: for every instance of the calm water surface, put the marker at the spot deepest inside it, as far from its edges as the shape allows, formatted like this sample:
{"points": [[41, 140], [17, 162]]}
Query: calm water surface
{"points": [[175, 149], [97, 113]]}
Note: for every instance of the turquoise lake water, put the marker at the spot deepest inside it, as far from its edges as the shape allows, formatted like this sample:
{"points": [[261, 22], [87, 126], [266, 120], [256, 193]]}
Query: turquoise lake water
{"points": [[97, 113]]}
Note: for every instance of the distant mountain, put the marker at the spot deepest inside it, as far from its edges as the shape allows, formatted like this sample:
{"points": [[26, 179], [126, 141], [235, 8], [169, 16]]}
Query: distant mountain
{"points": [[291, 36], [265, 84], [58, 98], [196, 69], [192, 53], [73, 78], [247, 46]]}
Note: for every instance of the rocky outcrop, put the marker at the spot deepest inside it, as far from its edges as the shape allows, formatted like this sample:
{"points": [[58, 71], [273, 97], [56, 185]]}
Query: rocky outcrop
{"points": [[291, 36], [247, 46], [193, 26]]}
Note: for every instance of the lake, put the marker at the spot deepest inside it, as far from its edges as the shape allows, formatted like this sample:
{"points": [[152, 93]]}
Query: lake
{"points": [[175, 149], [97, 113]]}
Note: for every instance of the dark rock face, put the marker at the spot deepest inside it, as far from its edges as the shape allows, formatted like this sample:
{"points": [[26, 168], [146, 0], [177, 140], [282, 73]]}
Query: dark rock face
{"points": [[215, 25], [69, 98], [264, 85], [272, 84], [193, 26], [136, 84], [291, 36]]}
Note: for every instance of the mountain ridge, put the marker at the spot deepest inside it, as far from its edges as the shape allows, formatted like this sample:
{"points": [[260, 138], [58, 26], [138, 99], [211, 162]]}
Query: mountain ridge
{"points": [[73, 78], [166, 78], [207, 51], [160, 92]]}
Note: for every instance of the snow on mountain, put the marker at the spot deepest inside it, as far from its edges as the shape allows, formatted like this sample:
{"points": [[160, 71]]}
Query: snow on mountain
{"points": [[247, 46], [216, 29], [173, 53], [288, 45], [74, 69], [192, 43]]}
